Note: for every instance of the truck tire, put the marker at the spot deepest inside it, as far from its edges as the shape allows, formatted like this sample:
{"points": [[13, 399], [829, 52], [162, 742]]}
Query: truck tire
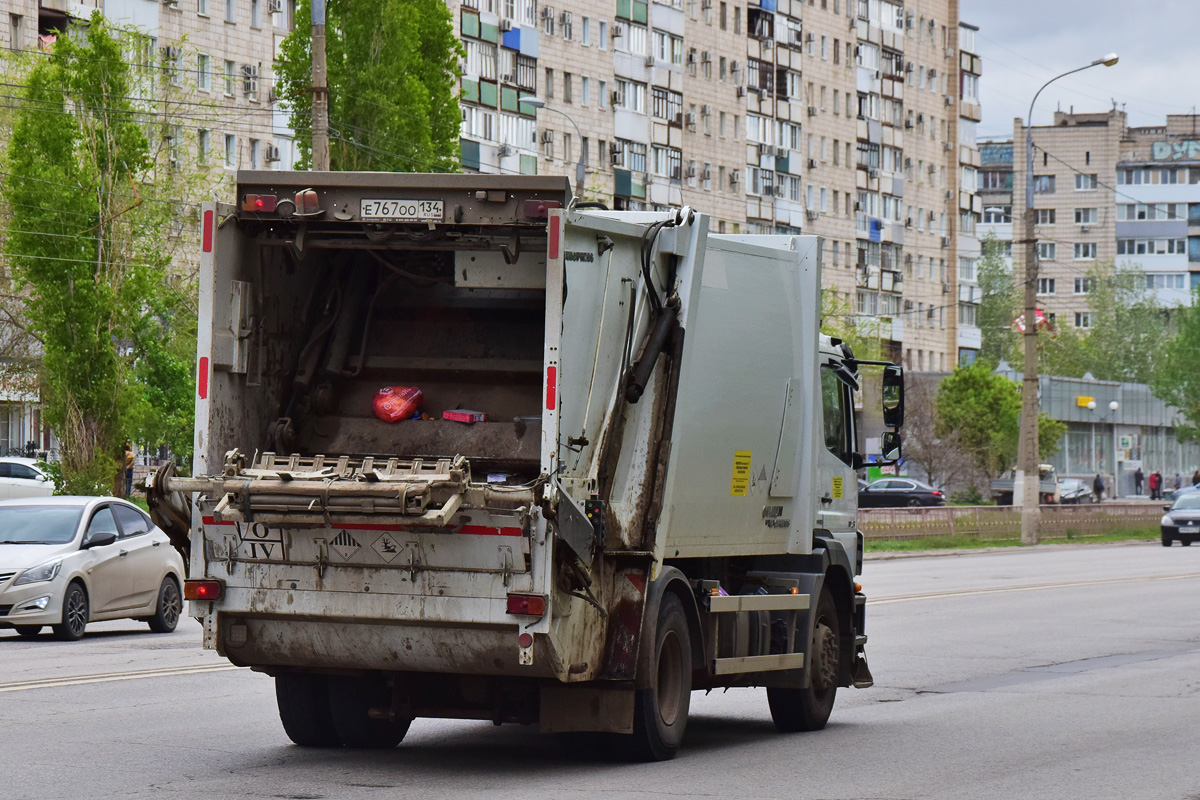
{"points": [[808, 709], [660, 711], [303, 700], [351, 700]]}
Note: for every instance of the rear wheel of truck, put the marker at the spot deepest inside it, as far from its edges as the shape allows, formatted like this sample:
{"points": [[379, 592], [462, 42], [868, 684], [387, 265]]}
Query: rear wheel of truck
{"points": [[808, 709], [361, 710], [661, 710], [303, 700]]}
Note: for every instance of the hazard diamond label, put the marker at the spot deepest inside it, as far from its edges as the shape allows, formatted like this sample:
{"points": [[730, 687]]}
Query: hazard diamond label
{"points": [[344, 545], [387, 547]]}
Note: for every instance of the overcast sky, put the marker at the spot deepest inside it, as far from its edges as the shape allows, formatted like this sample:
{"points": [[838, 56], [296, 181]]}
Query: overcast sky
{"points": [[1024, 43]]}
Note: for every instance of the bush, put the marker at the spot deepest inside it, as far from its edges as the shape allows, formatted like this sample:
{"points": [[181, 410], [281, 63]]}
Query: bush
{"points": [[967, 497]]}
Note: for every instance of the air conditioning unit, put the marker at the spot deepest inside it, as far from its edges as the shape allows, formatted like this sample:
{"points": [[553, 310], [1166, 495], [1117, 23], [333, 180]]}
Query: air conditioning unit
{"points": [[547, 13], [853, 24], [949, 52], [908, 19], [908, 66], [504, 151], [547, 137], [949, 100], [706, 110], [812, 111], [691, 56], [812, 37], [508, 78], [690, 119], [920, 118], [778, 190], [706, 56], [706, 5], [872, 173], [781, 152], [171, 3], [741, 91], [706, 174], [812, 163], [735, 66], [691, 172], [170, 53], [506, 25], [908, 305], [649, 61], [564, 18], [949, 194], [1085, 228], [735, 175], [932, 74], [763, 149], [811, 214], [618, 30], [767, 44], [272, 153], [908, 123], [945, 241], [272, 97], [615, 97], [615, 149], [908, 223], [947, 146], [945, 287], [678, 120], [250, 78], [274, 6]]}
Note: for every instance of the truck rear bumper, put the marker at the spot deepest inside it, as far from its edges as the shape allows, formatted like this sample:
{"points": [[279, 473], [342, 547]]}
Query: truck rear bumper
{"points": [[266, 641]]}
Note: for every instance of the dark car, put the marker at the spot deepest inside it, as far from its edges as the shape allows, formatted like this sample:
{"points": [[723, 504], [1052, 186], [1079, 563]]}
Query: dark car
{"points": [[893, 492], [1180, 492], [1072, 491], [1182, 520]]}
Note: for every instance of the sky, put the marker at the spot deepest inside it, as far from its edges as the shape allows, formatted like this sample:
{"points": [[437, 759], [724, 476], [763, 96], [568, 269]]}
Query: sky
{"points": [[1024, 43]]}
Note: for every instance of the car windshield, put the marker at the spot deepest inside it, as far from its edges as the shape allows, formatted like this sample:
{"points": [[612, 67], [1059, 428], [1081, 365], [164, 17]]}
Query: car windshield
{"points": [[38, 524], [1189, 500]]}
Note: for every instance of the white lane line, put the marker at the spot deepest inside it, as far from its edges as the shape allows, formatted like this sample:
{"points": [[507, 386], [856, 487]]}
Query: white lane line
{"points": [[80, 680], [906, 598]]}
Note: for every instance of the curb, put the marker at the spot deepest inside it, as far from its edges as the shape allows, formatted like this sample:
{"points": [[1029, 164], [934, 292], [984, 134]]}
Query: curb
{"points": [[893, 555]]}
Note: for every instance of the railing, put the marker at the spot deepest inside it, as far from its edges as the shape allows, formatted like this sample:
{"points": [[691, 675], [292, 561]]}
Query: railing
{"points": [[1004, 522]]}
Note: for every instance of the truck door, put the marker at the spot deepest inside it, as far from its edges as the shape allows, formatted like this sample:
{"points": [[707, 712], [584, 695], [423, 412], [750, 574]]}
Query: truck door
{"points": [[837, 489]]}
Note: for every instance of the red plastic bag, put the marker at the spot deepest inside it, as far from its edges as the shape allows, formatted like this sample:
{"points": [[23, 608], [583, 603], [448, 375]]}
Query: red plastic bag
{"points": [[394, 403]]}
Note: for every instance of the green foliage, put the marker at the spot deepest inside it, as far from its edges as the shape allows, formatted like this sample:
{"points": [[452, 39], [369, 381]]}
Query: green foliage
{"points": [[982, 409], [393, 73], [863, 334], [967, 497], [1176, 378], [999, 306], [86, 248]]}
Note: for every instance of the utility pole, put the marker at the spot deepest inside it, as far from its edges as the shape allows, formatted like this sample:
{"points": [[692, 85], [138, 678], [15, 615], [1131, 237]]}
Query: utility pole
{"points": [[320, 90], [1028, 479]]}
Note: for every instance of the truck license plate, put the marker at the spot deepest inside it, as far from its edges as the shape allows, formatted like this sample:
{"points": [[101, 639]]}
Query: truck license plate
{"points": [[402, 210]]}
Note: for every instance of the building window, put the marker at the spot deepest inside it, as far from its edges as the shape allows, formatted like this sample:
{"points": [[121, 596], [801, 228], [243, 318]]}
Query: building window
{"points": [[202, 7], [203, 71], [1085, 216], [230, 10], [1083, 319], [585, 31], [1045, 216], [203, 145], [255, 13], [1045, 286], [1043, 184], [966, 313], [1174, 280], [602, 39], [568, 94], [1085, 183], [1085, 250], [230, 78], [230, 151], [1047, 251], [997, 215], [585, 91], [1084, 285]]}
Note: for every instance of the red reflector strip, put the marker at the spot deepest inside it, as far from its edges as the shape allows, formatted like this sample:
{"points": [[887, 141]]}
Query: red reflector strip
{"points": [[202, 378], [555, 230], [203, 590], [533, 605], [207, 232], [551, 387], [484, 530]]}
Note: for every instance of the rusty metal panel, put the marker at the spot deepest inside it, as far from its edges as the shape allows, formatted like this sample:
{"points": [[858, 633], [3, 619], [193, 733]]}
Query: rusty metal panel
{"points": [[567, 709]]}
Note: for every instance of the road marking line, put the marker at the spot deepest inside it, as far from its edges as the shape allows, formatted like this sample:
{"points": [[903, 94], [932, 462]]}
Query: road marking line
{"points": [[904, 598], [80, 680]]}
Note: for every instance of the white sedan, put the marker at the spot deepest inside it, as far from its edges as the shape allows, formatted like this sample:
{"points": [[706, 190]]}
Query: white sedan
{"points": [[68, 561], [20, 477]]}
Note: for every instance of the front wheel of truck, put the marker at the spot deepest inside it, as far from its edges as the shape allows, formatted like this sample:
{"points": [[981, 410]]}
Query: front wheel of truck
{"points": [[303, 700], [808, 709], [661, 710], [363, 713]]}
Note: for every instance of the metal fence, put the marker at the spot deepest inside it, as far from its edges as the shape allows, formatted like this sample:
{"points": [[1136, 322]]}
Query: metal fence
{"points": [[1004, 522]]}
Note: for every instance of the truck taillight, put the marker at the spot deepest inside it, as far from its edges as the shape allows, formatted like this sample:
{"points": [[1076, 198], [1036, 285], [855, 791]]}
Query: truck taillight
{"points": [[533, 605], [263, 203], [203, 590]]}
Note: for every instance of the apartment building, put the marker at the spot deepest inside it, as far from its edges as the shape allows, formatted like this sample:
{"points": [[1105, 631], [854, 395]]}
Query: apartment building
{"points": [[1102, 191], [851, 119]]}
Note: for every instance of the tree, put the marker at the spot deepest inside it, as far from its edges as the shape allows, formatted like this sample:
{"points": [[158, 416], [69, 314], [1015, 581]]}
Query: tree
{"points": [[998, 306], [86, 249], [393, 82], [862, 333], [1176, 378], [939, 457]]}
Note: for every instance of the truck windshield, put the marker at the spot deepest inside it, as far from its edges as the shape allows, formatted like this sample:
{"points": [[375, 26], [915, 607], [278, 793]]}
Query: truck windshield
{"points": [[38, 524]]}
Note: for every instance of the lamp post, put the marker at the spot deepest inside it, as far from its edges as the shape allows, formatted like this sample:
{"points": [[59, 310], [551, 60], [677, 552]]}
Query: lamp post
{"points": [[1027, 472], [537, 102], [1113, 405]]}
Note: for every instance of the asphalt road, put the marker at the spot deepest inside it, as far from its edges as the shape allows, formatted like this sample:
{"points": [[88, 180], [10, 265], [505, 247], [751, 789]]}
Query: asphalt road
{"points": [[1053, 673]]}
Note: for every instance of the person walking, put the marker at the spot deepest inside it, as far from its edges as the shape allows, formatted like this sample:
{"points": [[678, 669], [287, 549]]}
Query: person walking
{"points": [[1098, 488], [1154, 484], [1178, 480], [127, 463], [1196, 478], [1139, 479]]}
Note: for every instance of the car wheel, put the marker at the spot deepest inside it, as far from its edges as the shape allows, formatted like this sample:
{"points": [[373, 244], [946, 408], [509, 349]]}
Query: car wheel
{"points": [[913, 502], [28, 631], [808, 709], [1185, 541], [170, 607], [1166, 540], [74, 614]]}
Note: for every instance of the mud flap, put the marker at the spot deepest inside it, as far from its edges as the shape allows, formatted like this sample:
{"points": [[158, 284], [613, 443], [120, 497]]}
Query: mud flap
{"points": [[860, 673]]}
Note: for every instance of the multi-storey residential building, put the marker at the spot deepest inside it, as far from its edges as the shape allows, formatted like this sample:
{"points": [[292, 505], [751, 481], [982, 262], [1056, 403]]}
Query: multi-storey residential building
{"points": [[852, 119], [1102, 191]]}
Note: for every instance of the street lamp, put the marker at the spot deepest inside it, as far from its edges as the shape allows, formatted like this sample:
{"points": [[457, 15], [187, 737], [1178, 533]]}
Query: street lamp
{"points": [[1113, 405], [1027, 474], [537, 102]]}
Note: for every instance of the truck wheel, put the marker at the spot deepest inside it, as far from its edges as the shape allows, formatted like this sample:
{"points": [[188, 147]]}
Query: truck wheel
{"points": [[303, 700], [351, 701], [808, 709], [660, 711]]}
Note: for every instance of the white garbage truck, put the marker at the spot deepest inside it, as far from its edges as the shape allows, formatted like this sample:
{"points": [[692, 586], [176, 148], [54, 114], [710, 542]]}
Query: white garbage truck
{"points": [[468, 449]]}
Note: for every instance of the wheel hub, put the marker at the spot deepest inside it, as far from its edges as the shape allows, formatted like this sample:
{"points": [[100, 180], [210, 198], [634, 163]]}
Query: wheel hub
{"points": [[825, 658]]}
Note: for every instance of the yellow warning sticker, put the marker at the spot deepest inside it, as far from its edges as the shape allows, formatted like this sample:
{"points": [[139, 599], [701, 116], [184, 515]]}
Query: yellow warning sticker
{"points": [[739, 485], [837, 488]]}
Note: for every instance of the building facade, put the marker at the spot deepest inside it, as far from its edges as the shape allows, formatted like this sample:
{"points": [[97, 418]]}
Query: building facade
{"points": [[850, 119]]}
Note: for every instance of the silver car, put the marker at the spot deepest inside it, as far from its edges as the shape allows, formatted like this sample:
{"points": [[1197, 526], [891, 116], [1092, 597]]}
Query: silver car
{"points": [[68, 561]]}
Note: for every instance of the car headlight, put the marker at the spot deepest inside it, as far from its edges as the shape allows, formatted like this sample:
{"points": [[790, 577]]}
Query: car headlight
{"points": [[45, 572], [1166, 520]]}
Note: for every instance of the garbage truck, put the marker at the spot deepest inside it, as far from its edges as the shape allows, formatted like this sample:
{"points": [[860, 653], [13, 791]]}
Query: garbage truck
{"points": [[466, 448]]}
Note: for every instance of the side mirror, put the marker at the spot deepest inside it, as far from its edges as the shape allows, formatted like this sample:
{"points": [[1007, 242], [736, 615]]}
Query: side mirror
{"points": [[41, 477], [890, 445], [99, 539], [1167, 507], [856, 461], [893, 396]]}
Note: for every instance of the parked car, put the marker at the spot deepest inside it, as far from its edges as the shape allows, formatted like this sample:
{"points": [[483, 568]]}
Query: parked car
{"points": [[1072, 491], [21, 477], [68, 561], [1182, 520], [1175, 494], [892, 492]]}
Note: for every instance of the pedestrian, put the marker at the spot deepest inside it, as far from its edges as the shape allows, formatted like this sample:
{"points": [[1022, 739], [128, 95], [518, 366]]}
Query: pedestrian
{"points": [[127, 462], [1178, 480], [1139, 478], [1196, 478], [1154, 483], [1098, 488]]}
